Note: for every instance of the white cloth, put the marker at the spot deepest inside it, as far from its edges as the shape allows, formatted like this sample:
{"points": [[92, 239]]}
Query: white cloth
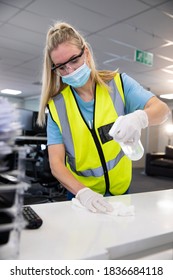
{"points": [[120, 209]]}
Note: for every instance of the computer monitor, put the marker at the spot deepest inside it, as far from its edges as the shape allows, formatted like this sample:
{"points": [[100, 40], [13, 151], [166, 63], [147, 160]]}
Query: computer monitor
{"points": [[25, 117], [39, 130]]}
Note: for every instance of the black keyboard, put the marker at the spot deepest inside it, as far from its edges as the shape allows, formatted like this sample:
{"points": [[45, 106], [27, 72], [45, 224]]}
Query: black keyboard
{"points": [[32, 218]]}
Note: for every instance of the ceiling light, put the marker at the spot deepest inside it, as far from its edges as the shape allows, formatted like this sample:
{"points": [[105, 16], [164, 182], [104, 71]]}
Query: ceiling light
{"points": [[167, 96], [165, 57], [168, 14], [169, 43], [10, 91], [167, 71]]}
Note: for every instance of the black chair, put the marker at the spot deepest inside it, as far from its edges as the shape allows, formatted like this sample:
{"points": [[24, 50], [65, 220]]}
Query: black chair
{"points": [[160, 164], [44, 186]]}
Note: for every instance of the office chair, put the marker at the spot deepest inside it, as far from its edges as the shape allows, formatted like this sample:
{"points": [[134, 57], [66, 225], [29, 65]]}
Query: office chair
{"points": [[44, 186]]}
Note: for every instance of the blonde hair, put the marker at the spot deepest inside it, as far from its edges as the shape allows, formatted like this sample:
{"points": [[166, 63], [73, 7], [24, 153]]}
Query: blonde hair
{"points": [[52, 84]]}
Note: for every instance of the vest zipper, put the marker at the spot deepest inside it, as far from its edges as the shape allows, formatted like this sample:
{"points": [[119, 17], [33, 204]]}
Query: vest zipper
{"points": [[102, 158], [99, 148]]}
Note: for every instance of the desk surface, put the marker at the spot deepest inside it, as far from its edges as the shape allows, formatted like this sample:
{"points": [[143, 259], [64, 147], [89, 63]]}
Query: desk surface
{"points": [[69, 232]]}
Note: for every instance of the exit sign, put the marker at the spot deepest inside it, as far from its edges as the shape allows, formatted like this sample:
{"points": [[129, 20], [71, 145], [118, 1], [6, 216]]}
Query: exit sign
{"points": [[144, 57]]}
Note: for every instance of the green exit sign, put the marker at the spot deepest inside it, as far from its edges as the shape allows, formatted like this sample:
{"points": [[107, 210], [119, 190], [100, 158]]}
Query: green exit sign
{"points": [[144, 57]]}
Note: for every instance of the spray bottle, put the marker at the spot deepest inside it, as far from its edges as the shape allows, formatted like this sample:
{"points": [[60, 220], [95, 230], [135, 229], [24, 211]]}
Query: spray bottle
{"points": [[133, 152]]}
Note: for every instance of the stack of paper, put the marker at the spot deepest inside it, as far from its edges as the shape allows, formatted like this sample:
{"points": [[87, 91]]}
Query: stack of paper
{"points": [[10, 127], [12, 188]]}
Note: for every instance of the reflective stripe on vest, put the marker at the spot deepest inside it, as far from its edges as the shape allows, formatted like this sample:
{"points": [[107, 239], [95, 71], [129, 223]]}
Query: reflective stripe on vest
{"points": [[96, 172]]}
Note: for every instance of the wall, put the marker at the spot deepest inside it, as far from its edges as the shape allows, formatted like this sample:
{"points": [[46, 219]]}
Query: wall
{"points": [[31, 104], [163, 137], [18, 102], [154, 139]]}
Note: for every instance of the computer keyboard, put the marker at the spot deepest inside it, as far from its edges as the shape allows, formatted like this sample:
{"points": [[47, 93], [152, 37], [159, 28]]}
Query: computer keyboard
{"points": [[32, 218]]}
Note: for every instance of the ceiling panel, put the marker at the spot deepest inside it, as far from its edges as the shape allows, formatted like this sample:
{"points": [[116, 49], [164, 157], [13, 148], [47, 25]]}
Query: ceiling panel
{"points": [[167, 7], [30, 21], [116, 9], [114, 28], [17, 3], [19, 46], [131, 35], [109, 46], [22, 35], [165, 51], [65, 11], [155, 22], [7, 12], [153, 2], [10, 54]]}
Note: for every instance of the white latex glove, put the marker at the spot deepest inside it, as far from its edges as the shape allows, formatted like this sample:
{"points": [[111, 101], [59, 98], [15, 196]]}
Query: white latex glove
{"points": [[93, 201], [127, 129]]}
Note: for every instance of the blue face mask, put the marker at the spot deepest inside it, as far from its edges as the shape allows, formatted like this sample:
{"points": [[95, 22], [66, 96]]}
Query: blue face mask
{"points": [[79, 77]]}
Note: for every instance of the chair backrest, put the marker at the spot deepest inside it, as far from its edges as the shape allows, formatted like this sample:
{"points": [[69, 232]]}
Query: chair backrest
{"points": [[169, 152], [43, 170]]}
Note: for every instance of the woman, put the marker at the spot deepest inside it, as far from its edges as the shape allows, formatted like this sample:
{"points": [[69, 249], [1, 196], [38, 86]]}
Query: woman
{"points": [[83, 105]]}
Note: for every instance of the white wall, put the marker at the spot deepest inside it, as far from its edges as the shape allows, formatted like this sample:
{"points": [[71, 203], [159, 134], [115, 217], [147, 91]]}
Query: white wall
{"points": [[154, 139], [163, 137], [18, 102], [31, 104]]}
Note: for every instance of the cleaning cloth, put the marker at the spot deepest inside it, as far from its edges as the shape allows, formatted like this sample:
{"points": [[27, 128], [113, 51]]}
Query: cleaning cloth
{"points": [[120, 209]]}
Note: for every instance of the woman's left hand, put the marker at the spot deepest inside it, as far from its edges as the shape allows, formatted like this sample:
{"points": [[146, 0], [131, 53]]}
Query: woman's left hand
{"points": [[127, 129]]}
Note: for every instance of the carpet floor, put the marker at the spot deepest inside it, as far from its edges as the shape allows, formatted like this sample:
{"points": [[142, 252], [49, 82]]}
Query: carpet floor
{"points": [[143, 183]]}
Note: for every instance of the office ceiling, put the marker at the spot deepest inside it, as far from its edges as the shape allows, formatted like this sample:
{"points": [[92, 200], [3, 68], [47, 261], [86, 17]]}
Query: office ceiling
{"points": [[114, 28]]}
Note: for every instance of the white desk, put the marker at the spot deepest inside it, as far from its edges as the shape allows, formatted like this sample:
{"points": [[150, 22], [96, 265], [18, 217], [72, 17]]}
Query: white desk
{"points": [[69, 232]]}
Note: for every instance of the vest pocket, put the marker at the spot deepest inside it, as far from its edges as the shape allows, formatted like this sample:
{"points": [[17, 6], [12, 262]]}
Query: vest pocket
{"points": [[104, 133]]}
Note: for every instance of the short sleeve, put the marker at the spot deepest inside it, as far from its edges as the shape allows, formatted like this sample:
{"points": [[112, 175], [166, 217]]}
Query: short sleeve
{"points": [[135, 95], [54, 135]]}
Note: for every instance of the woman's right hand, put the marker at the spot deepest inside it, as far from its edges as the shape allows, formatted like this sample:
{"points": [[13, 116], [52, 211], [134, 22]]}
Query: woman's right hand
{"points": [[93, 201]]}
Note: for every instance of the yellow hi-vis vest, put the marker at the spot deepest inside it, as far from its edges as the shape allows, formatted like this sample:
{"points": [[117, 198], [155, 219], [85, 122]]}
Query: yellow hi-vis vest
{"points": [[92, 156]]}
